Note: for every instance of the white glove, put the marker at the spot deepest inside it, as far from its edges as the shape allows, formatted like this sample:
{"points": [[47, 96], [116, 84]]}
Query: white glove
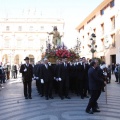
{"points": [[25, 70], [42, 81], [32, 78], [105, 73], [49, 63], [60, 79]]}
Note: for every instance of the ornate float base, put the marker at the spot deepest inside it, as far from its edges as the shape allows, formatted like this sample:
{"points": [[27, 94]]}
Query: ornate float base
{"points": [[52, 60]]}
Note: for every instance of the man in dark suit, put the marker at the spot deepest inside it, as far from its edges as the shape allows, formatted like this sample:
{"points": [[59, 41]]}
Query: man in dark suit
{"points": [[15, 68], [73, 76], [41, 85], [27, 75], [64, 78], [79, 83], [36, 75], [56, 76], [13, 71], [85, 77], [47, 78], [94, 85]]}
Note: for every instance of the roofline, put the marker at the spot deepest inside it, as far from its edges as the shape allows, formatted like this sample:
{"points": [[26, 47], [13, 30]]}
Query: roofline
{"points": [[93, 13]]}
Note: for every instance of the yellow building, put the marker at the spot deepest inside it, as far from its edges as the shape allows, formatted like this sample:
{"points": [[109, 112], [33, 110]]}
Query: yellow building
{"points": [[104, 22], [21, 37]]}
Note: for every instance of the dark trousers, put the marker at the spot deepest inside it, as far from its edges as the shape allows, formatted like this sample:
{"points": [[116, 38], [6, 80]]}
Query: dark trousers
{"points": [[48, 87], [99, 93], [81, 87], [93, 100], [116, 76], [41, 89], [63, 87], [66, 87], [8, 75], [16, 74], [77, 86], [27, 89], [13, 74], [60, 88]]}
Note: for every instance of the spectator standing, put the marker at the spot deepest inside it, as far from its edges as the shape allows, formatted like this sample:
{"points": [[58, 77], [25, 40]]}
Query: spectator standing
{"points": [[116, 72], [113, 67], [27, 75], [109, 73]]}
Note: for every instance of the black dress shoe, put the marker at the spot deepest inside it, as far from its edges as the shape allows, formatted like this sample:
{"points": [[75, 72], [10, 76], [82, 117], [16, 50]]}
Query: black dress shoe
{"points": [[82, 97], [62, 98], [97, 107], [26, 97], [87, 96], [51, 97], [67, 97], [89, 111], [30, 97], [46, 98], [96, 110]]}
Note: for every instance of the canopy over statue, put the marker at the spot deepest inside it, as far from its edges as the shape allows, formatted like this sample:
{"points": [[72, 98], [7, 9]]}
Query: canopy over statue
{"points": [[56, 36]]}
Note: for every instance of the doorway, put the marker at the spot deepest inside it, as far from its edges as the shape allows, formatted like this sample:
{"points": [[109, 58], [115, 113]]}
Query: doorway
{"points": [[113, 59]]}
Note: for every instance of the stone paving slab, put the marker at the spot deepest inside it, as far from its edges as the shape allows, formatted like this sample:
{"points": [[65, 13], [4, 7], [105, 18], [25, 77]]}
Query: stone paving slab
{"points": [[13, 106]]}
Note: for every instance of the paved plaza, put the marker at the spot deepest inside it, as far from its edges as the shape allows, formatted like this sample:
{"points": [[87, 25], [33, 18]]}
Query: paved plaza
{"points": [[13, 106]]}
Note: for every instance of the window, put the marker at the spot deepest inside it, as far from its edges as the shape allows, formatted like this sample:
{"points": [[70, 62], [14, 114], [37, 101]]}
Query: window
{"points": [[113, 23], [20, 28], [88, 35], [113, 40], [7, 28], [102, 27], [102, 40], [102, 58], [42, 28], [102, 12], [112, 4]]}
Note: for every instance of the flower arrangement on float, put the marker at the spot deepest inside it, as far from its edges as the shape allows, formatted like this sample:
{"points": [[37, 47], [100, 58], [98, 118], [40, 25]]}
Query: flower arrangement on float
{"points": [[60, 52]]}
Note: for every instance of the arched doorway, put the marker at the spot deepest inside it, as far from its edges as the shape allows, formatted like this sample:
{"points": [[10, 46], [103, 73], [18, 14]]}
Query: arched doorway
{"points": [[32, 59], [5, 59], [16, 59]]}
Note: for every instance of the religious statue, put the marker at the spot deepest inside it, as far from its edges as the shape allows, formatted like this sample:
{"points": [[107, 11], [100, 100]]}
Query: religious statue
{"points": [[56, 37]]}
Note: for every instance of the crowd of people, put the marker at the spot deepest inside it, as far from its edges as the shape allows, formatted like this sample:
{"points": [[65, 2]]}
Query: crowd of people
{"points": [[7, 72], [81, 77]]}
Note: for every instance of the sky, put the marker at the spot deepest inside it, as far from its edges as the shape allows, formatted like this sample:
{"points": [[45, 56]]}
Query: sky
{"points": [[72, 11]]}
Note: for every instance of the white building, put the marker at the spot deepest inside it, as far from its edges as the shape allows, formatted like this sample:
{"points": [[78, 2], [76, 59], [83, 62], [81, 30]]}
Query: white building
{"points": [[21, 37], [104, 21]]}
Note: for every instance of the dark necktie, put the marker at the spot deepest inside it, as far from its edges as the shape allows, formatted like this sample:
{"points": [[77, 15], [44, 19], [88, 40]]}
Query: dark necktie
{"points": [[46, 66]]}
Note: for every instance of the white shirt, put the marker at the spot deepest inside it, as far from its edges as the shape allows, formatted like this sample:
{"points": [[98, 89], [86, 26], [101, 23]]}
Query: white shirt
{"points": [[46, 66], [27, 65]]}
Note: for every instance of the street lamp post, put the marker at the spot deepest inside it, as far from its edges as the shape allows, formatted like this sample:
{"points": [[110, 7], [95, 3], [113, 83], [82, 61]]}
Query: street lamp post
{"points": [[93, 45], [77, 47]]}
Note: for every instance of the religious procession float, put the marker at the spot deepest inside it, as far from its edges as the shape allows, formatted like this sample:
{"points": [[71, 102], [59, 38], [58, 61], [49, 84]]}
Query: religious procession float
{"points": [[58, 50], [59, 53]]}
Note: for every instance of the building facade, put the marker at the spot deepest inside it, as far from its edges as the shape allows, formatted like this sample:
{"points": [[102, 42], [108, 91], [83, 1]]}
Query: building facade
{"points": [[104, 22], [21, 37]]}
